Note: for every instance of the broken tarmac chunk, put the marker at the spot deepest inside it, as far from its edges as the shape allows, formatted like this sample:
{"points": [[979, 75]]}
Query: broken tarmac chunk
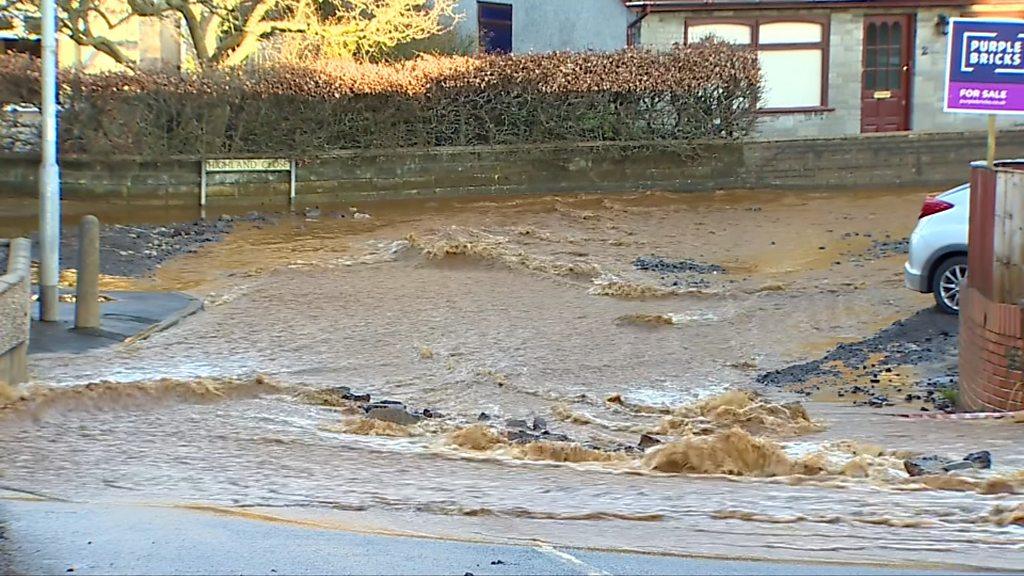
{"points": [[337, 396], [958, 465], [518, 423], [647, 441], [393, 415], [539, 423], [521, 436], [925, 465], [554, 437], [345, 393], [483, 417], [981, 459], [384, 404]]}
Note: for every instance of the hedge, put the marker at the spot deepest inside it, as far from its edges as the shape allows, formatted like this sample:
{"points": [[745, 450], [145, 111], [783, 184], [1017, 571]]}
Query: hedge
{"points": [[699, 92]]}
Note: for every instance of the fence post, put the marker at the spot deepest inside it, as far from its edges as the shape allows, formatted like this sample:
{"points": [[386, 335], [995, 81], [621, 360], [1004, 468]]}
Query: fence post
{"points": [[87, 305]]}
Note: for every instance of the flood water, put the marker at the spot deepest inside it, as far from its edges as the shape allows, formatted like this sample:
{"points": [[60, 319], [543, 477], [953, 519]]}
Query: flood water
{"points": [[522, 308]]}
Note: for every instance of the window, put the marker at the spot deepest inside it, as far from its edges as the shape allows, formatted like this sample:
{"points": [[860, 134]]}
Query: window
{"points": [[19, 33], [633, 35], [28, 46], [494, 21], [793, 57]]}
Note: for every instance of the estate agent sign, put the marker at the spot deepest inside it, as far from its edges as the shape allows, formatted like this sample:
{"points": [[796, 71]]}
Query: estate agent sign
{"points": [[985, 69]]}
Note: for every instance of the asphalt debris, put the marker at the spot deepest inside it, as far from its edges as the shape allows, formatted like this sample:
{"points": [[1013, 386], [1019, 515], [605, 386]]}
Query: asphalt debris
{"points": [[863, 371], [138, 250], [654, 263], [933, 464]]}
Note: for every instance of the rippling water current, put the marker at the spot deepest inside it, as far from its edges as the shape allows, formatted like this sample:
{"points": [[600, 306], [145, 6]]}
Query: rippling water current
{"points": [[525, 308]]}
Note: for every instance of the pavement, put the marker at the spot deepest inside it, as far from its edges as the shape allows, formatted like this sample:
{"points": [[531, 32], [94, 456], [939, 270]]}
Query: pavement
{"points": [[129, 316], [51, 537]]}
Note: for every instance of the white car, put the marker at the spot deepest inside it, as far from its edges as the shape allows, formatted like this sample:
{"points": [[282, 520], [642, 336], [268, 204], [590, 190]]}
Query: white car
{"points": [[938, 248]]}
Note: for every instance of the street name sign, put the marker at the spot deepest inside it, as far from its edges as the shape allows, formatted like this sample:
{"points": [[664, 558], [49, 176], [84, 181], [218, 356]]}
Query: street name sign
{"points": [[246, 165]]}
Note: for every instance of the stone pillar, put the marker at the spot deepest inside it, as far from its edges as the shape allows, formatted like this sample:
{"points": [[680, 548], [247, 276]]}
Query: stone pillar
{"points": [[87, 305]]}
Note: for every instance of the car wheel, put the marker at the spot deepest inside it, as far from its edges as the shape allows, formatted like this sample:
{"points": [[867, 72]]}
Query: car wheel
{"points": [[946, 284]]}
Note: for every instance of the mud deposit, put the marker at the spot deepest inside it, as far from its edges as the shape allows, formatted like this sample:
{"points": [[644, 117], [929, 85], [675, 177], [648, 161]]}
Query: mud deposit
{"points": [[504, 371]]}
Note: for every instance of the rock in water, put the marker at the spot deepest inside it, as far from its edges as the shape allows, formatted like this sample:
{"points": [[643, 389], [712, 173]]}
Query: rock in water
{"points": [[393, 415], [981, 459], [518, 423], [521, 436], [958, 465], [925, 465], [384, 404], [647, 441]]}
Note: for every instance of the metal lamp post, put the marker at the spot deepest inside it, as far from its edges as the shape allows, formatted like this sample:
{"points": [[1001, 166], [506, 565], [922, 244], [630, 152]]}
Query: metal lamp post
{"points": [[49, 172]]}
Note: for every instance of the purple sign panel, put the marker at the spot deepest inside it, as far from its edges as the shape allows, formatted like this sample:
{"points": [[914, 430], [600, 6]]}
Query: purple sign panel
{"points": [[985, 70]]}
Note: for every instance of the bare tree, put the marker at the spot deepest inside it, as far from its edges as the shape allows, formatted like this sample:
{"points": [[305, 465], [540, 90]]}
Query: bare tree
{"points": [[227, 32]]}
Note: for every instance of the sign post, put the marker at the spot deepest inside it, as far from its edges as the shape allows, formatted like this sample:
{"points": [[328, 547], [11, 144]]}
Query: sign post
{"points": [[49, 171], [985, 70], [247, 165]]}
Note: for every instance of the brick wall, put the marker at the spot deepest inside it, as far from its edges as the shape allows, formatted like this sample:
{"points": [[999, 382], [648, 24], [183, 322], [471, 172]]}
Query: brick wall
{"points": [[991, 354], [14, 313], [991, 322]]}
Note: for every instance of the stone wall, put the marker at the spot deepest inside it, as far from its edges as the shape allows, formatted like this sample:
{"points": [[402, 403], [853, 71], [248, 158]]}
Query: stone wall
{"points": [[15, 302], [875, 160], [19, 129]]}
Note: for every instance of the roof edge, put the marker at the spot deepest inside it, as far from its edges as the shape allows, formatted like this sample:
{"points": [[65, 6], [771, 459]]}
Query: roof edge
{"points": [[691, 5]]}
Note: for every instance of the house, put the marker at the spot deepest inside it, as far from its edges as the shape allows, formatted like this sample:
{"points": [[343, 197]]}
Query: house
{"points": [[834, 67], [830, 67], [154, 43], [545, 25]]}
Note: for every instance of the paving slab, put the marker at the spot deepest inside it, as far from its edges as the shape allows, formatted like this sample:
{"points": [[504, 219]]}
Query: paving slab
{"points": [[129, 315]]}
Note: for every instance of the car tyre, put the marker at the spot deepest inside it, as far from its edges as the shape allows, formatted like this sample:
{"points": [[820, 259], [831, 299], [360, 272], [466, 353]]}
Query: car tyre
{"points": [[946, 284]]}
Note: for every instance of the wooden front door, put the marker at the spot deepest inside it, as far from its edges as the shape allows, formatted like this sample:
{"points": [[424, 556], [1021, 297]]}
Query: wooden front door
{"points": [[885, 80]]}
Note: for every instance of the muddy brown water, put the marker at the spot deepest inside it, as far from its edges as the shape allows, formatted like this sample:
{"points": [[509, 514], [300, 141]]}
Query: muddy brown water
{"points": [[526, 307]]}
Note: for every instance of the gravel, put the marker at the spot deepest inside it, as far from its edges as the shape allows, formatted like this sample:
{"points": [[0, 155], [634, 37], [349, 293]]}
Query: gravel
{"points": [[662, 265], [927, 340], [138, 250]]}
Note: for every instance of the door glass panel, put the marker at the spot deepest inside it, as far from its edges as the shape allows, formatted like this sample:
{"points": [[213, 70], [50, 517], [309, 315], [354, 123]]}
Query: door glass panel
{"points": [[869, 80], [895, 57], [883, 34], [897, 34], [895, 79], [872, 35], [871, 58]]}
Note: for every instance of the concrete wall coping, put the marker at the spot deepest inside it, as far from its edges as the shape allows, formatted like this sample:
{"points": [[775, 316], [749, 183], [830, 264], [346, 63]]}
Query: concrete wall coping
{"points": [[19, 264], [356, 153]]}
